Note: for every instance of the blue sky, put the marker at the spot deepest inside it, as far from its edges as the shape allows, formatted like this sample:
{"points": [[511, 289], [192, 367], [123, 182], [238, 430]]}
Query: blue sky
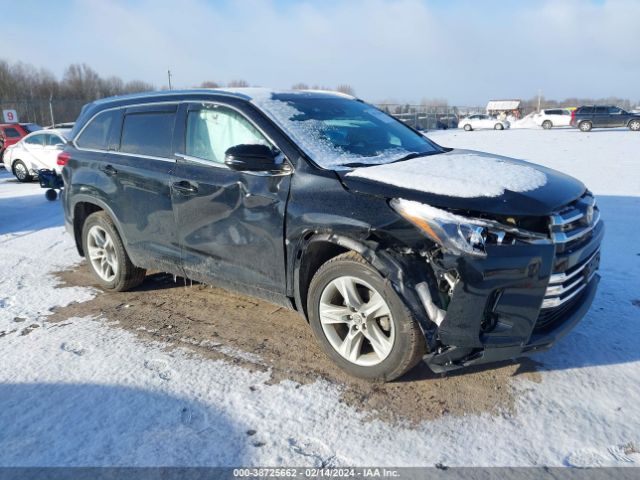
{"points": [[406, 50]]}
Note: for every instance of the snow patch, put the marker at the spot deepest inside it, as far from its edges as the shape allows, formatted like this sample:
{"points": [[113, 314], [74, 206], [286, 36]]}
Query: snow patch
{"points": [[456, 175]]}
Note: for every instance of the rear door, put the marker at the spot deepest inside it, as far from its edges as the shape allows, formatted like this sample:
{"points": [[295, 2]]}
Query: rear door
{"points": [[601, 117], [34, 154], [135, 176], [230, 223]]}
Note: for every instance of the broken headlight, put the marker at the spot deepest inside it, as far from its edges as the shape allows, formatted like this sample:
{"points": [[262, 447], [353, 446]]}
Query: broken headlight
{"points": [[458, 234]]}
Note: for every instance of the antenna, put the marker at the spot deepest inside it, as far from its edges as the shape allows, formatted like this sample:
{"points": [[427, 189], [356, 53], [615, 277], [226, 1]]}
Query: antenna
{"points": [[169, 76]]}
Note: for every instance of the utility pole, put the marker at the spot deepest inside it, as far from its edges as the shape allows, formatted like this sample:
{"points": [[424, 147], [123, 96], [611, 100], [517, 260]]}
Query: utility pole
{"points": [[169, 75], [539, 95], [51, 109]]}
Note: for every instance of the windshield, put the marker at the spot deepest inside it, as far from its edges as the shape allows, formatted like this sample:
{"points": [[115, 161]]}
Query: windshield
{"points": [[340, 133]]}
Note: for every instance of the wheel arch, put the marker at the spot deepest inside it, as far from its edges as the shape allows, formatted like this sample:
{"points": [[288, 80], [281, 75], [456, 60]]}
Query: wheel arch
{"points": [[84, 206], [316, 249]]}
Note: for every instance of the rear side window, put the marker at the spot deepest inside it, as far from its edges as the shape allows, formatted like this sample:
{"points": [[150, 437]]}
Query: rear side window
{"points": [[96, 134], [35, 140], [11, 133], [149, 133], [601, 110]]}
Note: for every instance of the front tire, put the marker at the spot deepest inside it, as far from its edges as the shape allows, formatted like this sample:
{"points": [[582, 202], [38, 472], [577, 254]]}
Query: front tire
{"points": [[585, 126], [498, 126], [21, 172], [106, 256], [467, 128], [360, 322], [547, 125], [634, 125]]}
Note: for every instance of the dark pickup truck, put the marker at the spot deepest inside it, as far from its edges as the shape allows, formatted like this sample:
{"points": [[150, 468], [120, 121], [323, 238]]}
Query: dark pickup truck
{"points": [[604, 116]]}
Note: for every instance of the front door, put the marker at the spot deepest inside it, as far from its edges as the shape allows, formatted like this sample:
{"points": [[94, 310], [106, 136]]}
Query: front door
{"points": [[230, 224]]}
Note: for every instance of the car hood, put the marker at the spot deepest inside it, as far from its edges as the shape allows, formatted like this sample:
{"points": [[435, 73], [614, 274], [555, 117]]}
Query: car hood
{"points": [[469, 180]]}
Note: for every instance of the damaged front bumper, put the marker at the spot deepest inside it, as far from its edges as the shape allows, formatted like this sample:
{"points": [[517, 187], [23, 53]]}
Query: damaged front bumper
{"points": [[495, 311]]}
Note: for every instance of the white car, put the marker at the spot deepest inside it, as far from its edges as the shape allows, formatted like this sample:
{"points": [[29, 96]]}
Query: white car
{"points": [[553, 117], [38, 150], [480, 120]]}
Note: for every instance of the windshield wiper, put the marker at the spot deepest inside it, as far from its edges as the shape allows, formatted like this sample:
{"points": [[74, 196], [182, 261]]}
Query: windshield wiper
{"points": [[402, 159]]}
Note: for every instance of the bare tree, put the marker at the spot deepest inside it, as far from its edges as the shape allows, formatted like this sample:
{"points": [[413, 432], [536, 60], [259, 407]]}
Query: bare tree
{"points": [[209, 84], [346, 89], [300, 86], [238, 84]]}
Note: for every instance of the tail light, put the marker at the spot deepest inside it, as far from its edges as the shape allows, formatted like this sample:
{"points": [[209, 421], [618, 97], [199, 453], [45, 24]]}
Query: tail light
{"points": [[63, 158], [573, 116]]}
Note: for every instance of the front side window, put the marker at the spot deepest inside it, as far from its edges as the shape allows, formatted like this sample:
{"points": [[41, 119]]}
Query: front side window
{"points": [[212, 131], [615, 110], [148, 133], [96, 134], [342, 133]]}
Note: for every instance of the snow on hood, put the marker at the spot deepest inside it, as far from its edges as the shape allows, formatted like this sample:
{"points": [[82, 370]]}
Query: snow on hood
{"points": [[456, 174]]}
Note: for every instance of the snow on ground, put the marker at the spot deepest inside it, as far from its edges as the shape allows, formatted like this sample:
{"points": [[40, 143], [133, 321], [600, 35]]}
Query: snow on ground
{"points": [[84, 392]]}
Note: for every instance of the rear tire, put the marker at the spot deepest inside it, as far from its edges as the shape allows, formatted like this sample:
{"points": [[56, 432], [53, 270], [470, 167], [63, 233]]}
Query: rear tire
{"points": [[585, 126], [21, 172], [376, 333], [467, 128], [498, 126], [634, 125], [547, 125], [106, 255]]}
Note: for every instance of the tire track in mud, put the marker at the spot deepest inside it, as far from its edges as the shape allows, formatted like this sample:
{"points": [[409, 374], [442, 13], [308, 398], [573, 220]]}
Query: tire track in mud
{"points": [[257, 335]]}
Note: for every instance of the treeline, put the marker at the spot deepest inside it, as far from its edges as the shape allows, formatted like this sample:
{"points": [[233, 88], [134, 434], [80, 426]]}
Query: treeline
{"points": [[37, 94]]}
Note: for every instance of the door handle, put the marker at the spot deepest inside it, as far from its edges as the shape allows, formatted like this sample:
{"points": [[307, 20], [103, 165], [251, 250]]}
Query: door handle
{"points": [[185, 188], [109, 170]]}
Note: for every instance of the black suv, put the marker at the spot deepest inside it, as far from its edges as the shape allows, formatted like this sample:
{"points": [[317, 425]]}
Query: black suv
{"points": [[604, 116], [395, 249]]}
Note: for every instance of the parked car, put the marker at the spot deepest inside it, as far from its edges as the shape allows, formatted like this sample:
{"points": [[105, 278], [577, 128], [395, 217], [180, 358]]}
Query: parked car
{"points": [[553, 117], [36, 151], [604, 116], [480, 121], [394, 248], [11, 133]]}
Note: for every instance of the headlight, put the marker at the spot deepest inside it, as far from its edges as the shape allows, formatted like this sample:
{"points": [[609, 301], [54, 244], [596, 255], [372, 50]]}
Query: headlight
{"points": [[457, 234]]}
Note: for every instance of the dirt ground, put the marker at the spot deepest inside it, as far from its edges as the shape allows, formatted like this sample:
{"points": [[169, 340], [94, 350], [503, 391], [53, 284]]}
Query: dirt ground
{"points": [[257, 335]]}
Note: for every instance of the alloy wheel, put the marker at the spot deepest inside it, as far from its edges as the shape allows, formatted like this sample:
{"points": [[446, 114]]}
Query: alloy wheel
{"points": [[356, 321], [102, 253], [635, 125], [20, 170]]}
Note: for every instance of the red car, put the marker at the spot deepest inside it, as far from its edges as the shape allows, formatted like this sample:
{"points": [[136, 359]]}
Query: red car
{"points": [[11, 133]]}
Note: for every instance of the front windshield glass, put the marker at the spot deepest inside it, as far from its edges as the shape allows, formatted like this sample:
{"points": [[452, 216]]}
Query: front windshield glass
{"points": [[340, 133]]}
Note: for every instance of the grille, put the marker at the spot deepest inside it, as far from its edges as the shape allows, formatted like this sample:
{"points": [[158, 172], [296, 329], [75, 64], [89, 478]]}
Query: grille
{"points": [[573, 225], [565, 286], [550, 316]]}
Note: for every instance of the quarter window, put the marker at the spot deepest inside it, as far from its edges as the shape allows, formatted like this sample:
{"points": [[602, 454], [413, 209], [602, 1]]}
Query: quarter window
{"points": [[212, 131], [96, 134], [148, 133]]}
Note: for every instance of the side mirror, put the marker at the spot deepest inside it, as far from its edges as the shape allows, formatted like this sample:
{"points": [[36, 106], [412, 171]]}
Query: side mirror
{"points": [[252, 158]]}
